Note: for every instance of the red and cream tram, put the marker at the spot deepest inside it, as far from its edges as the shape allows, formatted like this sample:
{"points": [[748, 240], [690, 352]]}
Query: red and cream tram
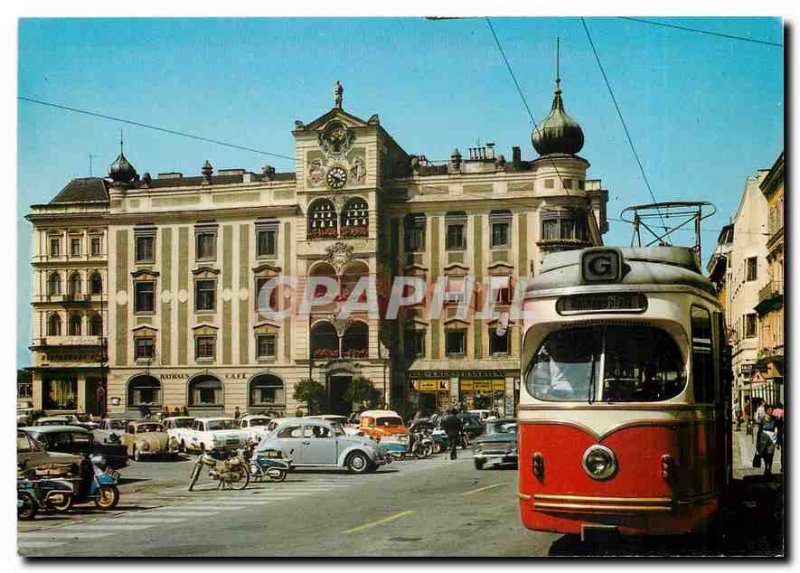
{"points": [[622, 411]]}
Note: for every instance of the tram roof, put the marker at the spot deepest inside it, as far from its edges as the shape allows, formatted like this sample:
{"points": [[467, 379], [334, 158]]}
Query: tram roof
{"points": [[643, 266]]}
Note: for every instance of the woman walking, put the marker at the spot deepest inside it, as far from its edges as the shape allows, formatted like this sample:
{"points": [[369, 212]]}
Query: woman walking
{"points": [[767, 439]]}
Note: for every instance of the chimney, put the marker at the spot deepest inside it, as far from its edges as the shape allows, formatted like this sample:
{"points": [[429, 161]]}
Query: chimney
{"points": [[516, 157]]}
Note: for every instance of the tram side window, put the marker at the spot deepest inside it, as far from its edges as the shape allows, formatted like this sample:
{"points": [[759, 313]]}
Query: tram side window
{"points": [[702, 356]]}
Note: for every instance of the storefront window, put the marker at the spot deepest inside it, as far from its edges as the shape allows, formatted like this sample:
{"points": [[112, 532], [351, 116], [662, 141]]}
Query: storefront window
{"points": [[60, 394]]}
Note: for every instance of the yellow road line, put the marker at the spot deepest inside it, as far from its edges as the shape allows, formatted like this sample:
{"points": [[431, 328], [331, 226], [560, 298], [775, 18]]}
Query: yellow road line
{"points": [[379, 522], [482, 489]]}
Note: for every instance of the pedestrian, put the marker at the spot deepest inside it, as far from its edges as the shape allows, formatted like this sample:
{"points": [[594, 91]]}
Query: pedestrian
{"points": [[767, 439], [737, 415], [237, 413], [760, 411], [452, 427]]}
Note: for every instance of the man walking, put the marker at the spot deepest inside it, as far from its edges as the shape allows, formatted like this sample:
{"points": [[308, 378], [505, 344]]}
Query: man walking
{"points": [[452, 427]]}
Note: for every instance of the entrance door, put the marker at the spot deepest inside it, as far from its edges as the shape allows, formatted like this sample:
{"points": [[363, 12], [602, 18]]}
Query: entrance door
{"points": [[338, 385]]}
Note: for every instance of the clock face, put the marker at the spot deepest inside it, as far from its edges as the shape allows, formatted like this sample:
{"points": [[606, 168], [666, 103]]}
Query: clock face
{"points": [[336, 177]]}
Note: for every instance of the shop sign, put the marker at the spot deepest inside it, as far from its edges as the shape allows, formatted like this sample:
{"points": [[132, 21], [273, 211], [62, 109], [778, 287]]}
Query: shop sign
{"points": [[174, 376], [482, 385], [469, 374], [747, 369], [427, 385], [115, 401]]}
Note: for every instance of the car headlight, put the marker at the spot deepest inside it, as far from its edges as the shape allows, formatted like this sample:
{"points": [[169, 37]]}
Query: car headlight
{"points": [[599, 462], [478, 447], [143, 446], [173, 443]]}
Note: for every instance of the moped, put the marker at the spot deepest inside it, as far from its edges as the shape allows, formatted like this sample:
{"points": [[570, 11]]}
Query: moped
{"points": [[230, 470]]}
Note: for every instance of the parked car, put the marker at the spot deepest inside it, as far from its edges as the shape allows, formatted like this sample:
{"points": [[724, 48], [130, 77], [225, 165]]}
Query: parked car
{"points": [[220, 433], [254, 425], [382, 423], [349, 429], [31, 454], [314, 442], [497, 445], [64, 420], [86, 421], [471, 425], [24, 416], [78, 441], [145, 439], [110, 430], [178, 427]]}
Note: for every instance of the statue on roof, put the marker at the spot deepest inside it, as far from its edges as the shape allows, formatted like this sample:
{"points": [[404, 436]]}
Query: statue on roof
{"points": [[338, 90]]}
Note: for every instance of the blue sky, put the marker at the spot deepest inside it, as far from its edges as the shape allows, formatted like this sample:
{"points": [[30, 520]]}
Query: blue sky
{"points": [[703, 111]]}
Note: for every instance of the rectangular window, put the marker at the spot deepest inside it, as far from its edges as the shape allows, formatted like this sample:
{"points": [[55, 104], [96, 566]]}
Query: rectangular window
{"points": [[145, 296], [55, 247], [205, 295], [567, 183], [205, 347], [702, 356], [750, 325], [267, 296], [265, 345], [145, 249], [455, 291], [499, 234], [501, 289], [752, 268], [564, 225], [415, 344], [266, 242], [96, 247], [455, 342], [498, 344], [206, 244], [455, 236], [144, 347], [549, 184], [60, 394], [74, 247], [415, 233]]}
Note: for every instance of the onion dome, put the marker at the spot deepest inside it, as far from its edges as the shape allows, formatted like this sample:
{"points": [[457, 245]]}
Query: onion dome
{"points": [[558, 133], [121, 171]]}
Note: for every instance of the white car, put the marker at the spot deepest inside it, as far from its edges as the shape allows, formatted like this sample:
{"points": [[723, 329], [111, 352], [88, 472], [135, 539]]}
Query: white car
{"points": [[178, 427], [255, 425], [220, 433], [111, 431], [349, 430]]}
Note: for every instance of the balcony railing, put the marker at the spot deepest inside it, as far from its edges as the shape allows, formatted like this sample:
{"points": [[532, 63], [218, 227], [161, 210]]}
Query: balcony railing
{"points": [[70, 341], [771, 290]]}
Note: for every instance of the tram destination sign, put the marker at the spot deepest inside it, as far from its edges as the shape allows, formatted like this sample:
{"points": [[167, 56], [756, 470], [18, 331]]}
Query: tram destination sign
{"points": [[601, 302]]}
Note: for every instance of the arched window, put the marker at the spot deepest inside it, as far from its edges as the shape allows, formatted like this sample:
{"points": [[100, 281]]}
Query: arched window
{"points": [[144, 390], [75, 325], [324, 341], [96, 283], [267, 390], [54, 284], [355, 342], [351, 276], [75, 284], [54, 325], [205, 390], [322, 220], [355, 218], [96, 325]]}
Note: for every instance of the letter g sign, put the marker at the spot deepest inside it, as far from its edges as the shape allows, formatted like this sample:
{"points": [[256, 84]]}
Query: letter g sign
{"points": [[601, 265]]}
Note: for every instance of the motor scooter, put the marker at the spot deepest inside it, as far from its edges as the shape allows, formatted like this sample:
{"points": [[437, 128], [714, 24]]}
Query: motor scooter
{"points": [[93, 483], [34, 495], [270, 464]]}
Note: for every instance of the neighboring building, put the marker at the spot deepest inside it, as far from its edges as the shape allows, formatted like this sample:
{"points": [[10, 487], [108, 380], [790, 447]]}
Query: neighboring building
{"points": [[770, 297], [720, 272], [188, 257], [747, 276], [70, 302]]}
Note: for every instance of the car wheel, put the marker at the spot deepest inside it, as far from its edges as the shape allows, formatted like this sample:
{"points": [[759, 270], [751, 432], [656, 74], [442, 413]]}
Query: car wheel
{"points": [[357, 463], [182, 447], [202, 448], [27, 510], [479, 464], [109, 497]]}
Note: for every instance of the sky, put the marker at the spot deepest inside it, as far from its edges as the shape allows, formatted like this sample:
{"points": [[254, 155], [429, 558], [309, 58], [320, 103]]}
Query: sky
{"points": [[704, 112]]}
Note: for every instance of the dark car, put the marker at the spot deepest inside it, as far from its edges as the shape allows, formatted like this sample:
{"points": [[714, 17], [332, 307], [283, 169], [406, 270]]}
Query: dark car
{"points": [[497, 445], [76, 440], [471, 424]]}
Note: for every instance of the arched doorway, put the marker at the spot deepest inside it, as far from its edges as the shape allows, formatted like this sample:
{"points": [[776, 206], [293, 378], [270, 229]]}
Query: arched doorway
{"points": [[266, 394], [205, 393]]}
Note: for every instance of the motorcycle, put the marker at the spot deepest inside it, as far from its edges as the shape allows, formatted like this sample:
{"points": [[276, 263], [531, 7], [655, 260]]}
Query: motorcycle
{"points": [[420, 444], [230, 470], [93, 483], [269, 464], [34, 495]]}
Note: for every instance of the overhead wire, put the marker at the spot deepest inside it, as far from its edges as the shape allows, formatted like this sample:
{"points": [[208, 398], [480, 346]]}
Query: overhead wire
{"points": [[153, 127], [699, 31]]}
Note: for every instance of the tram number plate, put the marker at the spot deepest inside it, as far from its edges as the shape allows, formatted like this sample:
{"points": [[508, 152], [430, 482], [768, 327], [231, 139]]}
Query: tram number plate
{"points": [[605, 302]]}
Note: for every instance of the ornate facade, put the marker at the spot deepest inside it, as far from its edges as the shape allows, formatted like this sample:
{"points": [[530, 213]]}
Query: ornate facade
{"points": [[192, 318]]}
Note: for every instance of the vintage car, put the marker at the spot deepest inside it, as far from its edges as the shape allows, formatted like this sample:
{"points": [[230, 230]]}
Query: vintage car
{"points": [[110, 430], [76, 440], [178, 427], [382, 423], [350, 430], [497, 445], [221, 433], [255, 425], [146, 439], [31, 454], [470, 424], [24, 416], [317, 443]]}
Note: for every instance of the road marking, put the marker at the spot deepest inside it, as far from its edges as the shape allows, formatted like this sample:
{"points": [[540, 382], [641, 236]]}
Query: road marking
{"points": [[24, 544], [109, 527], [482, 489], [379, 522], [191, 513], [62, 533], [152, 519]]}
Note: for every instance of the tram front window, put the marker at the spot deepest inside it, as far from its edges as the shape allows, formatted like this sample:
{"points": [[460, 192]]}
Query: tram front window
{"points": [[607, 363]]}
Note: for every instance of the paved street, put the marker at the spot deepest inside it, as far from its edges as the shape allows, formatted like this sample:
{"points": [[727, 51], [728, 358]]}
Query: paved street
{"points": [[433, 507]]}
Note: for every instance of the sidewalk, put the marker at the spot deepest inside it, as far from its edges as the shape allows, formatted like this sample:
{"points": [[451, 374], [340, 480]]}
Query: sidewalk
{"points": [[743, 450]]}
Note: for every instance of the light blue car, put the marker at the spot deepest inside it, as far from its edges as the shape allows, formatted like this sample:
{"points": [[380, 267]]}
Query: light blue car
{"points": [[318, 443]]}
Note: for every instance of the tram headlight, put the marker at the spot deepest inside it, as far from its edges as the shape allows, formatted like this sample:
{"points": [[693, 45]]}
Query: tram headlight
{"points": [[599, 462]]}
